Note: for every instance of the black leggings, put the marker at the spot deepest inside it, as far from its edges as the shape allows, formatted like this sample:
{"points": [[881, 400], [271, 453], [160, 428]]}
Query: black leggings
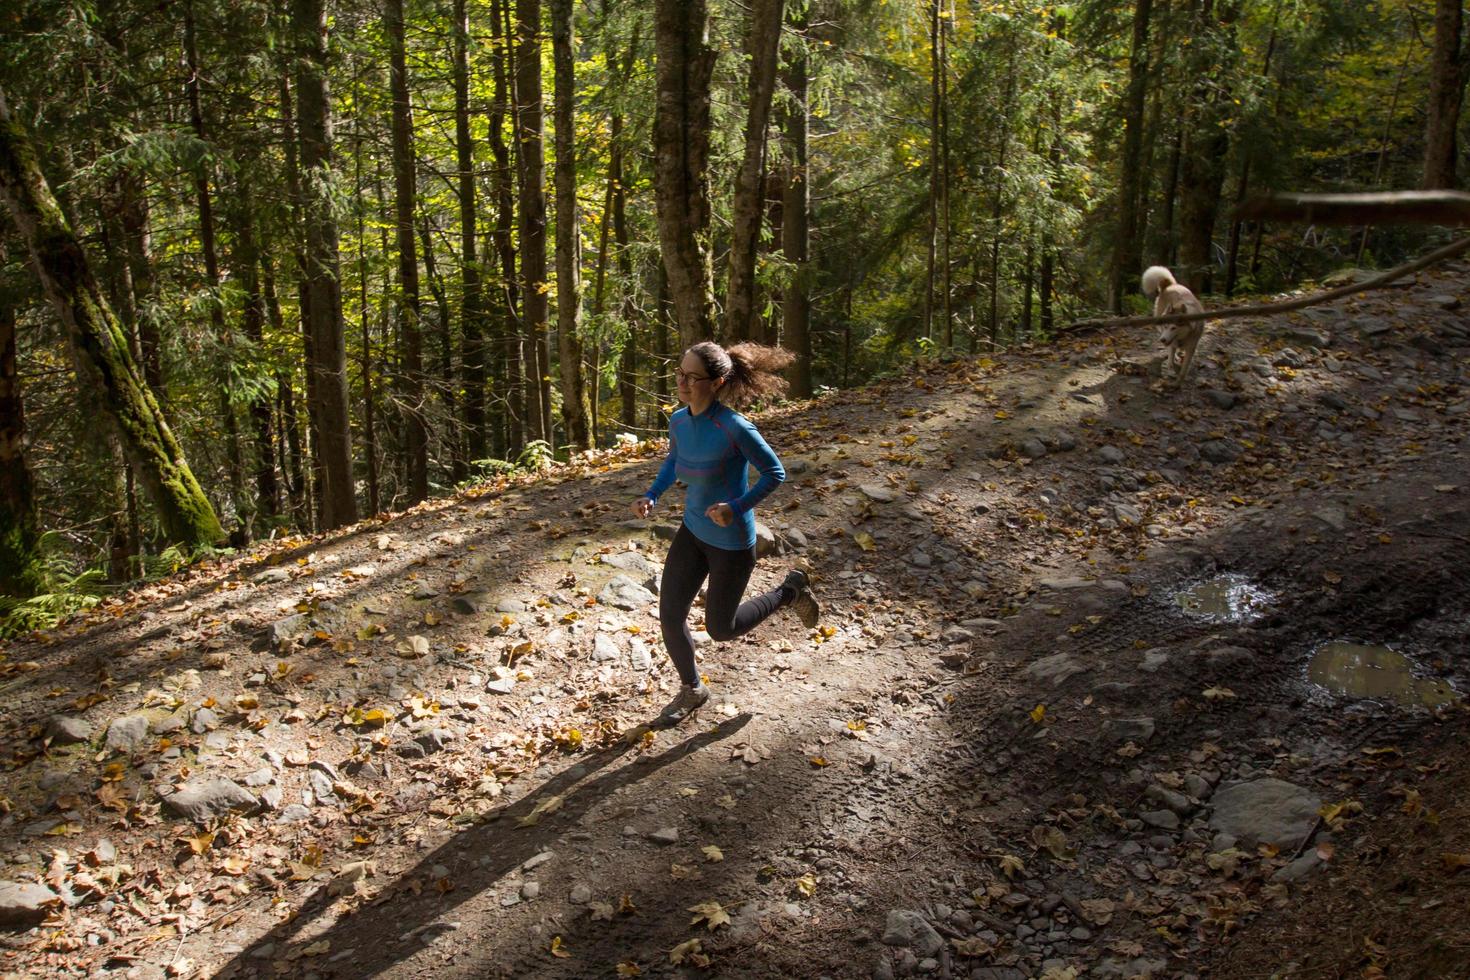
{"points": [[690, 560]]}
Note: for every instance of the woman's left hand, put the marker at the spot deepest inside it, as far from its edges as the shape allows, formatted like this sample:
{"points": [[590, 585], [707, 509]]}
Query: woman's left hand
{"points": [[721, 514]]}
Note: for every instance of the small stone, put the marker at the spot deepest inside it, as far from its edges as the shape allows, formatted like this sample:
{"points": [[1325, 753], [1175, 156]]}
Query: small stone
{"points": [[1220, 451], [536, 860], [531, 890], [621, 592], [271, 576], [211, 798], [24, 904], [260, 777], [205, 720], [580, 895], [68, 730], [1111, 454], [605, 648], [283, 631], [127, 734], [1220, 399], [629, 561], [1162, 819], [1033, 448], [911, 930], [295, 813], [665, 835]]}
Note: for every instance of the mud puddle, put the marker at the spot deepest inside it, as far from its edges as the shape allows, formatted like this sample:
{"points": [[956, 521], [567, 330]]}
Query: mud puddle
{"points": [[1372, 672], [1229, 598]]}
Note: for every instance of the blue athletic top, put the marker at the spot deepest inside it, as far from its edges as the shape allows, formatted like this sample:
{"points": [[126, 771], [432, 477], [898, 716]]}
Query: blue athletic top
{"points": [[712, 452]]}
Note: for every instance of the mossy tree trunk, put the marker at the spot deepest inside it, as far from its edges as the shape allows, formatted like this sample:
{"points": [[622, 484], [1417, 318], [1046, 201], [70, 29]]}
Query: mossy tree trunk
{"points": [[99, 345]]}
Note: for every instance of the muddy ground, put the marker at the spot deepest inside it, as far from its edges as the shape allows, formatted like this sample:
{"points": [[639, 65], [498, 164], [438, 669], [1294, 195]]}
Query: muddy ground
{"points": [[1011, 750]]}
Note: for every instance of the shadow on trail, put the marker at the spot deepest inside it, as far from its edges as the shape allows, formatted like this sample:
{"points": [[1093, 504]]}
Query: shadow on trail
{"points": [[504, 842]]}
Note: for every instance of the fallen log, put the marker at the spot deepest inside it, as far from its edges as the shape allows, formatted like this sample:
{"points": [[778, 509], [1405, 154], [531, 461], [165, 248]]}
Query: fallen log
{"points": [[1286, 306]]}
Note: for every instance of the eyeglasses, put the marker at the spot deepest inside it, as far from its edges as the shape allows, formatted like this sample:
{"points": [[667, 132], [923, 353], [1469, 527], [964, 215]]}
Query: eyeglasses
{"points": [[684, 377]]}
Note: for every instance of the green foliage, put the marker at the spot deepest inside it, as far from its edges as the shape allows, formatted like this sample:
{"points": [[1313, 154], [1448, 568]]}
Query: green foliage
{"points": [[64, 591]]}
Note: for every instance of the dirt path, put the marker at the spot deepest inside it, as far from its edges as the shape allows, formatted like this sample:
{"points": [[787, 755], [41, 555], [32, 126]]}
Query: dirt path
{"points": [[1008, 753]]}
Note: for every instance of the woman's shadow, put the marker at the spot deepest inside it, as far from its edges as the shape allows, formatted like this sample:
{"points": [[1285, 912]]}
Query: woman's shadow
{"points": [[476, 858]]}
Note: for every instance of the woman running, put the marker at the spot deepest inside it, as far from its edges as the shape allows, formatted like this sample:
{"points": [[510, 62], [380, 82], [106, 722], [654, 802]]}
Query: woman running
{"points": [[711, 448]]}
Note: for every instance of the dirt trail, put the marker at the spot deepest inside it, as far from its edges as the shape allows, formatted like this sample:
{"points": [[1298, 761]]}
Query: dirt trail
{"points": [[1008, 753]]}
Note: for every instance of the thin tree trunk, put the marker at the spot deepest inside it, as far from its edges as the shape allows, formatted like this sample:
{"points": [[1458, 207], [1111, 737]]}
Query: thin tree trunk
{"points": [[289, 439], [531, 171], [309, 489], [138, 244], [472, 302], [1203, 173], [942, 118], [22, 572], [98, 344], [411, 380], [235, 457], [931, 244], [681, 145], [1242, 187], [574, 407], [364, 319], [1128, 249], [246, 255], [1446, 91], [327, 357], [446, 349], [762, 46], [511, 434], [796, 311]]}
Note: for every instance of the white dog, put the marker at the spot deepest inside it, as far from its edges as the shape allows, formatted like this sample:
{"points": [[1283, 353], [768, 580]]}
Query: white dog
{"points": [[1179, 339]]}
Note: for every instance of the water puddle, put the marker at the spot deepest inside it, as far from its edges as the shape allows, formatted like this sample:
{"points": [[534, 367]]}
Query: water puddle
{"points": [[1358, 671], [1225, 599]]}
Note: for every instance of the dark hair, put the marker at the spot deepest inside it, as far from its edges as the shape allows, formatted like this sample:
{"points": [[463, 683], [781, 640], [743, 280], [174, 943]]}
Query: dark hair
{"points": [[749, 370]]}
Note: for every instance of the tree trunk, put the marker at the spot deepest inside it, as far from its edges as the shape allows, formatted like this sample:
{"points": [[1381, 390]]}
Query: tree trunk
{"points": [[246, 256], [99, 347], [510, 434], [288, 439], [472, 303], [1202, 175], [1128, 249], [309, 480], [628, 368], [681, 143], [138, 244], [21, 568], [209, 248], [574, 408], [327, 356], [411, 380], [762, 46], [446, 348], [931, 241], [1446, 90], [531, 173], [796, 313]]}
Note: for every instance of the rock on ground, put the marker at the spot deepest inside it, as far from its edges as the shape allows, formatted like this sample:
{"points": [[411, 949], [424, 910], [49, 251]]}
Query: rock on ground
{"points": [[1266, 811]]}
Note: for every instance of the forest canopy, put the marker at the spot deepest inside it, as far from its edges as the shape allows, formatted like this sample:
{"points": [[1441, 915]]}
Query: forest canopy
{"points": [[269, 267]]}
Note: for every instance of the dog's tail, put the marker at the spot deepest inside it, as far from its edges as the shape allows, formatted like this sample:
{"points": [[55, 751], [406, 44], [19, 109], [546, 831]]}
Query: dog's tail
{"points": [[1155, 278]]}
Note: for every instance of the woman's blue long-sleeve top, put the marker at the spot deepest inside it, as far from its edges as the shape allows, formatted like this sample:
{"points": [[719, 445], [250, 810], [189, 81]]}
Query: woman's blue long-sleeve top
{"points": [[712, 452]]}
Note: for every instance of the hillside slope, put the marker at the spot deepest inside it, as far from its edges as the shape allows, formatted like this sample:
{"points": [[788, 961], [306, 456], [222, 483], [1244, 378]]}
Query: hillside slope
{"points": [[1011, 750]]}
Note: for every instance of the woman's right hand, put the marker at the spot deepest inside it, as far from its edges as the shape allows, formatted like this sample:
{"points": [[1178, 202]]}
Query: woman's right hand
{"points": [[643, 506]]}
